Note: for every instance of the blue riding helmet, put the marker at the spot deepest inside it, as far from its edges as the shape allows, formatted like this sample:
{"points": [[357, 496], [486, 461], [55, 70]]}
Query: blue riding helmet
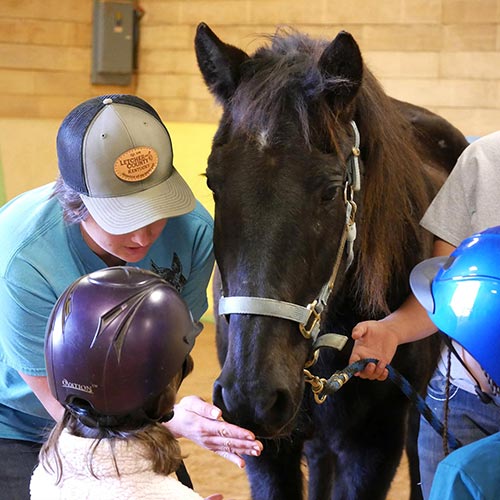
{"points": [[461, 294]]}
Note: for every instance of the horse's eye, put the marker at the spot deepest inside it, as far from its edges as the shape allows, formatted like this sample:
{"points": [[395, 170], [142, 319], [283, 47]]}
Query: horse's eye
{"points": [[213, 183], [212, 186], [330, 193]]}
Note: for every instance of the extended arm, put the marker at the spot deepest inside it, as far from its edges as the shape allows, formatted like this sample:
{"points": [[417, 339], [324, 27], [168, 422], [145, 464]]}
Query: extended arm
{"points": [[40, 386], [380, 339]]}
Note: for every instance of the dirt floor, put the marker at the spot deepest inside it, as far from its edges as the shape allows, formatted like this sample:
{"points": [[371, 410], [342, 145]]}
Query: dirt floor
{"points": [[213, 474]]}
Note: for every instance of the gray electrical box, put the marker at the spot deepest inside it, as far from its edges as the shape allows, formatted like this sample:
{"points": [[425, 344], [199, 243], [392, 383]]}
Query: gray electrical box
{"points": [[113, 42]]}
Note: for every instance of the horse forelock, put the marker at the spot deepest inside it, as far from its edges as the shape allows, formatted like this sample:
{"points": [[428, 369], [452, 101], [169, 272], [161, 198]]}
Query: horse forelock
{"points": [[279, 83]]}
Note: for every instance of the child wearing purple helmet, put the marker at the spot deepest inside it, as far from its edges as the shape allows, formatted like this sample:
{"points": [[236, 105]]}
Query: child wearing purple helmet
{"points": [[117, 349]]}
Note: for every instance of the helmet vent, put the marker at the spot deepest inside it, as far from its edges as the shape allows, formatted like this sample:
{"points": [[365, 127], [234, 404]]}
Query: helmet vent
{"points": [[123, 313]]}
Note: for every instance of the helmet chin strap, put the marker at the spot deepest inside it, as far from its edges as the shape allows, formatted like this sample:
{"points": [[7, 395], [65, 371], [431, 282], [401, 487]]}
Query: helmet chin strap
{"points": [[88, 417], [483, 396], [169, 416]]}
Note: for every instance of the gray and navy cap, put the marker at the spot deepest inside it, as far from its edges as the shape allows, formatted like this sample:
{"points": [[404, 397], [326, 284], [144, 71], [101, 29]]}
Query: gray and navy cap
{"points": [[115, 151]]}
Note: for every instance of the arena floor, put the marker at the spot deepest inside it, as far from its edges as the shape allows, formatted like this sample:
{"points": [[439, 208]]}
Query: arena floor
{"points": [[213, 474]]}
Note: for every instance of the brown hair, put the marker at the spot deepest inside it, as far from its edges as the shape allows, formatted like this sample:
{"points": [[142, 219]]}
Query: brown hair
{"points": [[74, 210]]}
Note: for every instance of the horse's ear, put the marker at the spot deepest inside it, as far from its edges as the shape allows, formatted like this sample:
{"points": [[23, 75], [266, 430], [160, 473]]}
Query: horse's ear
{"points": [[219, 62], [341, 63]]}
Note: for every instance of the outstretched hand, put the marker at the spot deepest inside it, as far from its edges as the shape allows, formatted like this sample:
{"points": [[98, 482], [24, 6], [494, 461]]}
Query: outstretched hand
{"points": [[202, 423], [374, 339]]}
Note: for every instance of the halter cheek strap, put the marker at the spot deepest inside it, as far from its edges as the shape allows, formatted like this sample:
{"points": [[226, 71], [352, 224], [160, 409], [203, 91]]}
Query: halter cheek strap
{"points": [[353, 171]]}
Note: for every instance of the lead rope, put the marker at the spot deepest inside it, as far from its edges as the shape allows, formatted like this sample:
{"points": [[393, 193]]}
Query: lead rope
{"points": [[323, 388]]}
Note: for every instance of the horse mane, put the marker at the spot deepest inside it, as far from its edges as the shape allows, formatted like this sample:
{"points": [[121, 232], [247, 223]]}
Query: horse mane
{"points": [[395, 189], [288, 78]]}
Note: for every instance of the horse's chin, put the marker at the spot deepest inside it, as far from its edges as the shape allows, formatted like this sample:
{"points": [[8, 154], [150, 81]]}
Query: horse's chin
{"points": [[262, 431], [284, 432], [297, 424]]}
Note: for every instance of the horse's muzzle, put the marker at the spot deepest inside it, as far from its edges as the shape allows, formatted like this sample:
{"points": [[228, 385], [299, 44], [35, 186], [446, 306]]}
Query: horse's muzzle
{"points": [[264, 409]]}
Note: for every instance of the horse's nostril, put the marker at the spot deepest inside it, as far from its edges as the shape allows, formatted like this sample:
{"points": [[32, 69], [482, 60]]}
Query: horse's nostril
{"points": [[224, 399], [277, 408], [217, 396], [283, 402], [268, 408]]}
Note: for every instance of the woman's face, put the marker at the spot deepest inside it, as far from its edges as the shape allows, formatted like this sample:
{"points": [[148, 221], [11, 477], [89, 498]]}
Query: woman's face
{"points": [[115, 249]]}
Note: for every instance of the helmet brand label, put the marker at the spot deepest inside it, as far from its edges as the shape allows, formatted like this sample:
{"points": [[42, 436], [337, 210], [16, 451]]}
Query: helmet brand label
{"points": [[136, 164], [78, 387]]}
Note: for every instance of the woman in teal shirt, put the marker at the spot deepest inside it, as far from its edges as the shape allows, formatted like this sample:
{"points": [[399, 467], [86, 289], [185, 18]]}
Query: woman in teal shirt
{"points": [[118, 201]]}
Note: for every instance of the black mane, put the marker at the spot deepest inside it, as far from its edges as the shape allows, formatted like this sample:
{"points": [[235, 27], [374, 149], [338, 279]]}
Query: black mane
{"points": [[281, 78]]}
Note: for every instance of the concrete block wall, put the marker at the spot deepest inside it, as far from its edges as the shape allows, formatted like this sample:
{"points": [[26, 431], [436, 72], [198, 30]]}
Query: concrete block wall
{"points": [[442, 54]]}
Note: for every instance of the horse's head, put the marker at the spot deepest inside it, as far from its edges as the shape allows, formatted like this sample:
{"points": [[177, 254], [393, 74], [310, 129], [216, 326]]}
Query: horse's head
{"points": [[279, 172]]}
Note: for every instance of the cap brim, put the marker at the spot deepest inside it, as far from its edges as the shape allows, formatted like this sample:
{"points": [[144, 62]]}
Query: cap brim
{"points": [[124, 214], [421, 280]]}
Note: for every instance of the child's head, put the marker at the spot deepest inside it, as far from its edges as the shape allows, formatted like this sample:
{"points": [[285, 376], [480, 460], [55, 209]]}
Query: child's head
{"points": [[461, 294], [116, 339], [117, 348]]}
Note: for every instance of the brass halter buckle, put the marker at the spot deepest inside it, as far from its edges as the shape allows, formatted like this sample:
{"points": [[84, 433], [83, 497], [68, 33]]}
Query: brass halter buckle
{"points": [[307, 328]]}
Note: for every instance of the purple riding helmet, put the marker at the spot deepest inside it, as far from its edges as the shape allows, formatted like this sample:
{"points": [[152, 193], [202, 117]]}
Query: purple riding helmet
{"points": [[115, 339]]}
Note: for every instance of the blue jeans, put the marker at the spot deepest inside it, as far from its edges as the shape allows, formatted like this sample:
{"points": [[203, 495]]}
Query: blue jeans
{"points": [[17, 461], [469, 419]]}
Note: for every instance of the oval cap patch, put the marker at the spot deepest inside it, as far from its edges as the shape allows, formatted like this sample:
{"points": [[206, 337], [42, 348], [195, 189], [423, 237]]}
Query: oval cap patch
{"points": [[136, 164]]}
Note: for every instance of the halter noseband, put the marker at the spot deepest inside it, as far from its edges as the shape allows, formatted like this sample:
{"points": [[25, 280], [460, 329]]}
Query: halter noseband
{"points": [[309, 317]]}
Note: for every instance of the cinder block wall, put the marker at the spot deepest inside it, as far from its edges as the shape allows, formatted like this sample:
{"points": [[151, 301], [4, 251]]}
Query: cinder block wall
{"points": [[442, 54]]}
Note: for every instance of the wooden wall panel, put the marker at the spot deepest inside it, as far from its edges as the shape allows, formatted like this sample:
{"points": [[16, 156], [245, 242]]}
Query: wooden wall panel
{"points": [[444, 54]]}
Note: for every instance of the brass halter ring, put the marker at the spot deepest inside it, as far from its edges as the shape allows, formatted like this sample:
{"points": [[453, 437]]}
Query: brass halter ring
{"points": [[317, 386]]}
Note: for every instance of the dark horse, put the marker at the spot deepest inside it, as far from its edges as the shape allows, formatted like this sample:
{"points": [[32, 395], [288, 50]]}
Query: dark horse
{"points": [[284, 175]]}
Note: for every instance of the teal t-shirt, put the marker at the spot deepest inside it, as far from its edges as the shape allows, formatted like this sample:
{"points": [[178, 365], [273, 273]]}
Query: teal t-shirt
{"points": [[40, 256], [470, 473]]}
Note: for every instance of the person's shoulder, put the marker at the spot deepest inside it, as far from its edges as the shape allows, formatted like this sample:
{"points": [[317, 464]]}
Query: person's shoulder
{"points": [[202, 213], [178, 490], [35, 195], [28, 218], [198, 216], [487, 144], [485, 451], [481, 155], [492, 137], [149, 485]]}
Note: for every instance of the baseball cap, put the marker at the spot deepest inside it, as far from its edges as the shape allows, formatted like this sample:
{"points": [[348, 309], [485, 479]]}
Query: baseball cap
{"points": [[115, 151]]}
